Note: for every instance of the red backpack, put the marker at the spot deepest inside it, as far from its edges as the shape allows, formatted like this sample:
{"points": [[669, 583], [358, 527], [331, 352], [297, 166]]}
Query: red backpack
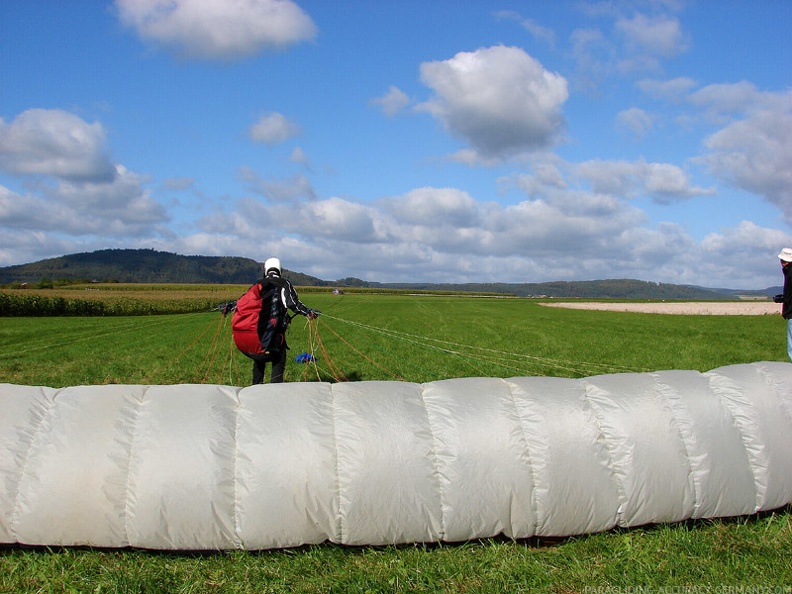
{"points": [[252, 334]]}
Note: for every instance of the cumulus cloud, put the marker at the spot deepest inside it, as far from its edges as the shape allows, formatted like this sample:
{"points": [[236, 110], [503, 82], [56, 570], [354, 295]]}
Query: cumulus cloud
{"points": [[28, 212], [334, 220], [738, 253], [210, 29], [55, 143], [545, 176], [500, 100], [435, 206], [747, 238], [556, 231], [751, 148], [27, 245], [753, 154], [337, 218], [273, 128], [123, 203], [392, 102], [428, 229], [117, 207], [74, 192], [445, 234], [637, 43], [663, 182], [727, 98], [286, 189]]}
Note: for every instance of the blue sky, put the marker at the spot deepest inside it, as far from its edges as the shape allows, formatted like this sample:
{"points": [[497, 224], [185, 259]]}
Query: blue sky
{"points": [[443, 141]]}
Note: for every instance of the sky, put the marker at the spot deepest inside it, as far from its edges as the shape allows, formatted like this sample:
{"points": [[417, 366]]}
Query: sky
{"points": [[404, 140]]}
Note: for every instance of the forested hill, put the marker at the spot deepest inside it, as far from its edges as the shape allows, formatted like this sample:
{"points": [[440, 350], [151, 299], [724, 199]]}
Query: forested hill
{"points": [[143, 266], [150, 266], [598, 289]]}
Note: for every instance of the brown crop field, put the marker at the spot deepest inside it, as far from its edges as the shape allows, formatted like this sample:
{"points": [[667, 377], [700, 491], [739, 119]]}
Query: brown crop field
{"points": [[709, 308]]}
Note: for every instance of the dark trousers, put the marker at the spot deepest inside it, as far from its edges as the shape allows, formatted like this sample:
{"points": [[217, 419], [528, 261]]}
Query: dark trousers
{"points": [[278, 361]]}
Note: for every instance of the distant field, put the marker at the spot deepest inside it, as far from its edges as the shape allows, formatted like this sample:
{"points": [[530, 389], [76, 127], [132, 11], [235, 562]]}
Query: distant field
{"points": [[413, 338], [702, 308], [115, 299]]}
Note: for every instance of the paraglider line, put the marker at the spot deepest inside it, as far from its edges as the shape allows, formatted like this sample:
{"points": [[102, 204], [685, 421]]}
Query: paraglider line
{"points": [[362, 354], [170, 363], [423, 341], [334, 371]]}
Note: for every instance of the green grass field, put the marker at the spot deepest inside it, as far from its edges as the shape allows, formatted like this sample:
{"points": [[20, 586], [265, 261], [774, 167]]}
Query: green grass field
{"points": [[377, 337]]}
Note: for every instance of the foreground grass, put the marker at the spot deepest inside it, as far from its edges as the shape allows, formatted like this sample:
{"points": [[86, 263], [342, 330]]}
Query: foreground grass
{"points": [[417, 339], [707, 556]]}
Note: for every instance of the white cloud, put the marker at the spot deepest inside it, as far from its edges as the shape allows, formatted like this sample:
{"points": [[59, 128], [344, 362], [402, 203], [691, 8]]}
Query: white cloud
{"points": [[123, 200], [636, 121], [212, 29], [445, 234], [545, 176], [298, 156], [341, 219], [106, 209], [179, 183], [472, 158], [536, 30], [751, 149], [428, 228], [743, 252], [29, 212], [593, 54], [289, 190], [638, 43], [334, 219], [392, 102], [663, 182], [656, 36], [500, 100], [559, 226], [674, 89], [727, 98], [273, 128], [754, 154], [438, 206], [440, 234], [75, 191], [56, 143]]}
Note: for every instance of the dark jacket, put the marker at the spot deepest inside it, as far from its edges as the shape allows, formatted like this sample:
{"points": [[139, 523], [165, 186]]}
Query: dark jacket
{"points": [[786, 310], [288, 296]]}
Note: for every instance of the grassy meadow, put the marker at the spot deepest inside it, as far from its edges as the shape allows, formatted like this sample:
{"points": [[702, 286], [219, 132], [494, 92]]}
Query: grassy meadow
{"points": [[366, 337], [413, 338]]}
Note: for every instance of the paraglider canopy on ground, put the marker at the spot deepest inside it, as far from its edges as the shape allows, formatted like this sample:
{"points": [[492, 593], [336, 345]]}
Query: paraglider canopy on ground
{"points": [[219, 467]]}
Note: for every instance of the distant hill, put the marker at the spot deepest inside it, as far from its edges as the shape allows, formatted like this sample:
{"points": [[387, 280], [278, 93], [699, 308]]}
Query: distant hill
{"points": [[143, 266], [150, 266], [598, 289]]}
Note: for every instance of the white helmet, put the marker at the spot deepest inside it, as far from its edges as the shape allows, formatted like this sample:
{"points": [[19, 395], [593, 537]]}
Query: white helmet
{"points": [[272, 264]]}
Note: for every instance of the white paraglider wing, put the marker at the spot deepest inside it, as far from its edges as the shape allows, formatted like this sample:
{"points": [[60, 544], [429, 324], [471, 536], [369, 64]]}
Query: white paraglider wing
{"points": [[369, 463]]}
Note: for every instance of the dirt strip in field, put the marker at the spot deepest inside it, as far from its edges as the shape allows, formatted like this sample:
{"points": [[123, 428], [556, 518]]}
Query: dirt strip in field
{"points": [[713, 308]]}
